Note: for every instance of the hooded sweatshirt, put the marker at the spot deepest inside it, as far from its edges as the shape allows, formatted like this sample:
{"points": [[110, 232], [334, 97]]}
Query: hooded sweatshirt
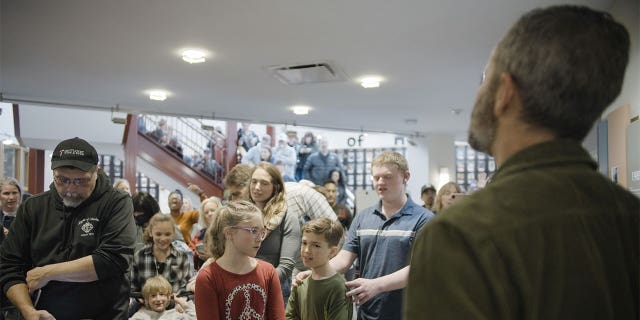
{"points": [[45, 232]]}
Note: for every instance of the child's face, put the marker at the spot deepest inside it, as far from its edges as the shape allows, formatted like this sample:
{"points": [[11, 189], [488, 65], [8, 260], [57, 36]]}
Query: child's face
{"points": [[315, 250], [162, 234], [209, 211], [247, 236], [158, 301]]}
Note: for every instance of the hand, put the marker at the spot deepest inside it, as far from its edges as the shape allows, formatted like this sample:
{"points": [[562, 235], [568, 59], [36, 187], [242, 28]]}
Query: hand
{"points": [[5, 231], [37, 278], [39, 315], [363, 290], [299, 278], [180, 302], [195, 188]]}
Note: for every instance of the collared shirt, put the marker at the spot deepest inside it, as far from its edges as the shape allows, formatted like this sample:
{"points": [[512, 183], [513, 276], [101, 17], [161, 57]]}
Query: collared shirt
{"points": [[176, 269], [548, 238], [306, 203], [383, 247]]}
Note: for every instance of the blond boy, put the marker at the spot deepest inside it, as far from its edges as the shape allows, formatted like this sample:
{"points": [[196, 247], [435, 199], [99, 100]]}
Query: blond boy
{"points": [[323, 295], [157, 293]]}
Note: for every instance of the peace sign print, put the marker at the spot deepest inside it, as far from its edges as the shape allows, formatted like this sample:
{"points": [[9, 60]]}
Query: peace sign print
{"points": [[243, 299]]}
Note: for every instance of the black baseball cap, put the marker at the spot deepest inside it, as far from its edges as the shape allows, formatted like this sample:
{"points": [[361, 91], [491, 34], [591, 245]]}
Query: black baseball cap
{"points": [[76, 153], [427, 187]]}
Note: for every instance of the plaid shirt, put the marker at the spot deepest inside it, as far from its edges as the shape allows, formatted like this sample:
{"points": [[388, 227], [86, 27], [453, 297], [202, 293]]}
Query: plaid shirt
{"points": [[306, 203], [176, 270]]}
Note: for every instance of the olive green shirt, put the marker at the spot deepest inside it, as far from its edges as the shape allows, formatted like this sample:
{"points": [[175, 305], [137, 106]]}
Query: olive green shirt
{"points": [[324, 299], [548, 238]]}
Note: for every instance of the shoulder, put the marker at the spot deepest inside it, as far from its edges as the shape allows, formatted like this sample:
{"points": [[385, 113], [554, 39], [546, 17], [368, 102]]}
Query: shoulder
{"points": [[419, 212], [206, 273], [366, 213], [265, 268], [266, 271]]}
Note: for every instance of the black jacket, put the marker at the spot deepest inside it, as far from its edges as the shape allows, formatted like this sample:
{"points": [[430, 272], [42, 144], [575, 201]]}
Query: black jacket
{"points": [[46, 232]]}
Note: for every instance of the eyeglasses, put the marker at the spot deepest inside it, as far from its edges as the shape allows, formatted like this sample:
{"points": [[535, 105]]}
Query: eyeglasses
{"points": [[67, 181], [255, 232]]}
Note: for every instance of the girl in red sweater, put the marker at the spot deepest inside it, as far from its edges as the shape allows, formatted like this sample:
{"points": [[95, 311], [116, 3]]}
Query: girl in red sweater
{"points": [[237, 285]]}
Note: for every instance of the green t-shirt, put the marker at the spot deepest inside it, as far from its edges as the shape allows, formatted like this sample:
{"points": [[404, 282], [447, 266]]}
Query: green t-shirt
{"points": [[320, 300]]}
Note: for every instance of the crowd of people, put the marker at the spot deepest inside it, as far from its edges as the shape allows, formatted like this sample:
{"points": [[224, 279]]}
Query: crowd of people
{"points": [[309, 160], [548, 237]]}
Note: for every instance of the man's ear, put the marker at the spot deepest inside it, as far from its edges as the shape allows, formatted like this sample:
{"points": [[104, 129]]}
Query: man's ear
{"points": [[505, 95], [406, 177]]}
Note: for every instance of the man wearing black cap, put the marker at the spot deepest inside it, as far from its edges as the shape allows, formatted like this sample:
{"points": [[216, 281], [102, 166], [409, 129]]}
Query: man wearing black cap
{"points": [[72, 244]]}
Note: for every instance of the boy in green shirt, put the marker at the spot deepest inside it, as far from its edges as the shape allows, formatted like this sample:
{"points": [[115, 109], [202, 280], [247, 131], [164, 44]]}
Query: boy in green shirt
{"points": [[324, 294]]}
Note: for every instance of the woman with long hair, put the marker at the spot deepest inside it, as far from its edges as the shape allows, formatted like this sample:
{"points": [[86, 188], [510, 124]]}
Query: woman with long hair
{"points": [[281, 247], [446, 196]]}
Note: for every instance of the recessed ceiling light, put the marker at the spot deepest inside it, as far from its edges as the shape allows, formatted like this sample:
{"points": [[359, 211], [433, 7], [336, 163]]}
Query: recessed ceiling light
{"points": [[158, 95], [370, 82], [301, 110], [194, 56]]}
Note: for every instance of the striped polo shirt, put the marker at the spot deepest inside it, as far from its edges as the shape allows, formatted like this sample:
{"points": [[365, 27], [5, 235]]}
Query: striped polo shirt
{"points": [[384, 246]]}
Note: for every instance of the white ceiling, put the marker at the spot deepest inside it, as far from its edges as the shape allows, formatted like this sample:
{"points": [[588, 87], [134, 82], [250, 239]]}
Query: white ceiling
{"points": [[107, 53]]}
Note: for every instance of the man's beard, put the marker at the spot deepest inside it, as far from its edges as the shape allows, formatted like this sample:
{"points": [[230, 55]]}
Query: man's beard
{"points": [[482, 130], [71, 200]]}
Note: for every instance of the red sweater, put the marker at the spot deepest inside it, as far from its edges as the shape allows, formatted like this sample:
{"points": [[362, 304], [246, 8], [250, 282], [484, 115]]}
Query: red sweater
{"points": [[221, 294]]}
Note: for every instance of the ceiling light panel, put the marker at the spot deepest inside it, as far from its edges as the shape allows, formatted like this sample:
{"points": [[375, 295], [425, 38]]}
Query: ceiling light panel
{"points": [[370, 81], [194, 56], [158, 95], [301, 110]]}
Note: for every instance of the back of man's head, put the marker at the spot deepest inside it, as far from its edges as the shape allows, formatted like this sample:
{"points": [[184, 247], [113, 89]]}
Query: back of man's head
{"points": [[568, 63], [238, 176]]}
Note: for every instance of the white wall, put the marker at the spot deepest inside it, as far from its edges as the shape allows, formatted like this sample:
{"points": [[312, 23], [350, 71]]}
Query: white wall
{"points": [[628, 13], [418, 150], [44, 127]]}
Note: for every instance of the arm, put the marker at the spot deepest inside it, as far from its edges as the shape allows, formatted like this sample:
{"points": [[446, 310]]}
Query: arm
{"points": [[292, 312], [206, 297], [19, 296], [275, 302], [195, 216], [343, 260], [197, 190], [290, 246], [306, 171], [136, 286], [339, 306], [365, 289], [187, 306], [117, 240], [79, 270]]}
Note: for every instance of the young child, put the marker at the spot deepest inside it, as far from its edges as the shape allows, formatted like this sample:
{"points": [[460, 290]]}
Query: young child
{"points": [[237, 285], [157, 292], [160, 256], [324, 294]]}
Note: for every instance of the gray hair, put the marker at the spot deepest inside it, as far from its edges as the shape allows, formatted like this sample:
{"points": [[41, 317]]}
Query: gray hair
{"points": [[9, 181], [568, 63]]}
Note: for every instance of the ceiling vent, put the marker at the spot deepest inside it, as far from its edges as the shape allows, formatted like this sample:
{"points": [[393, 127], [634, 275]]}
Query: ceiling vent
{"points": [[307, 73]]}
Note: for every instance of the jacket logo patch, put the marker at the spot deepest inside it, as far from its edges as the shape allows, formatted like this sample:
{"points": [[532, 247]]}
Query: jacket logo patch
{"points": [[87, 225]]}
